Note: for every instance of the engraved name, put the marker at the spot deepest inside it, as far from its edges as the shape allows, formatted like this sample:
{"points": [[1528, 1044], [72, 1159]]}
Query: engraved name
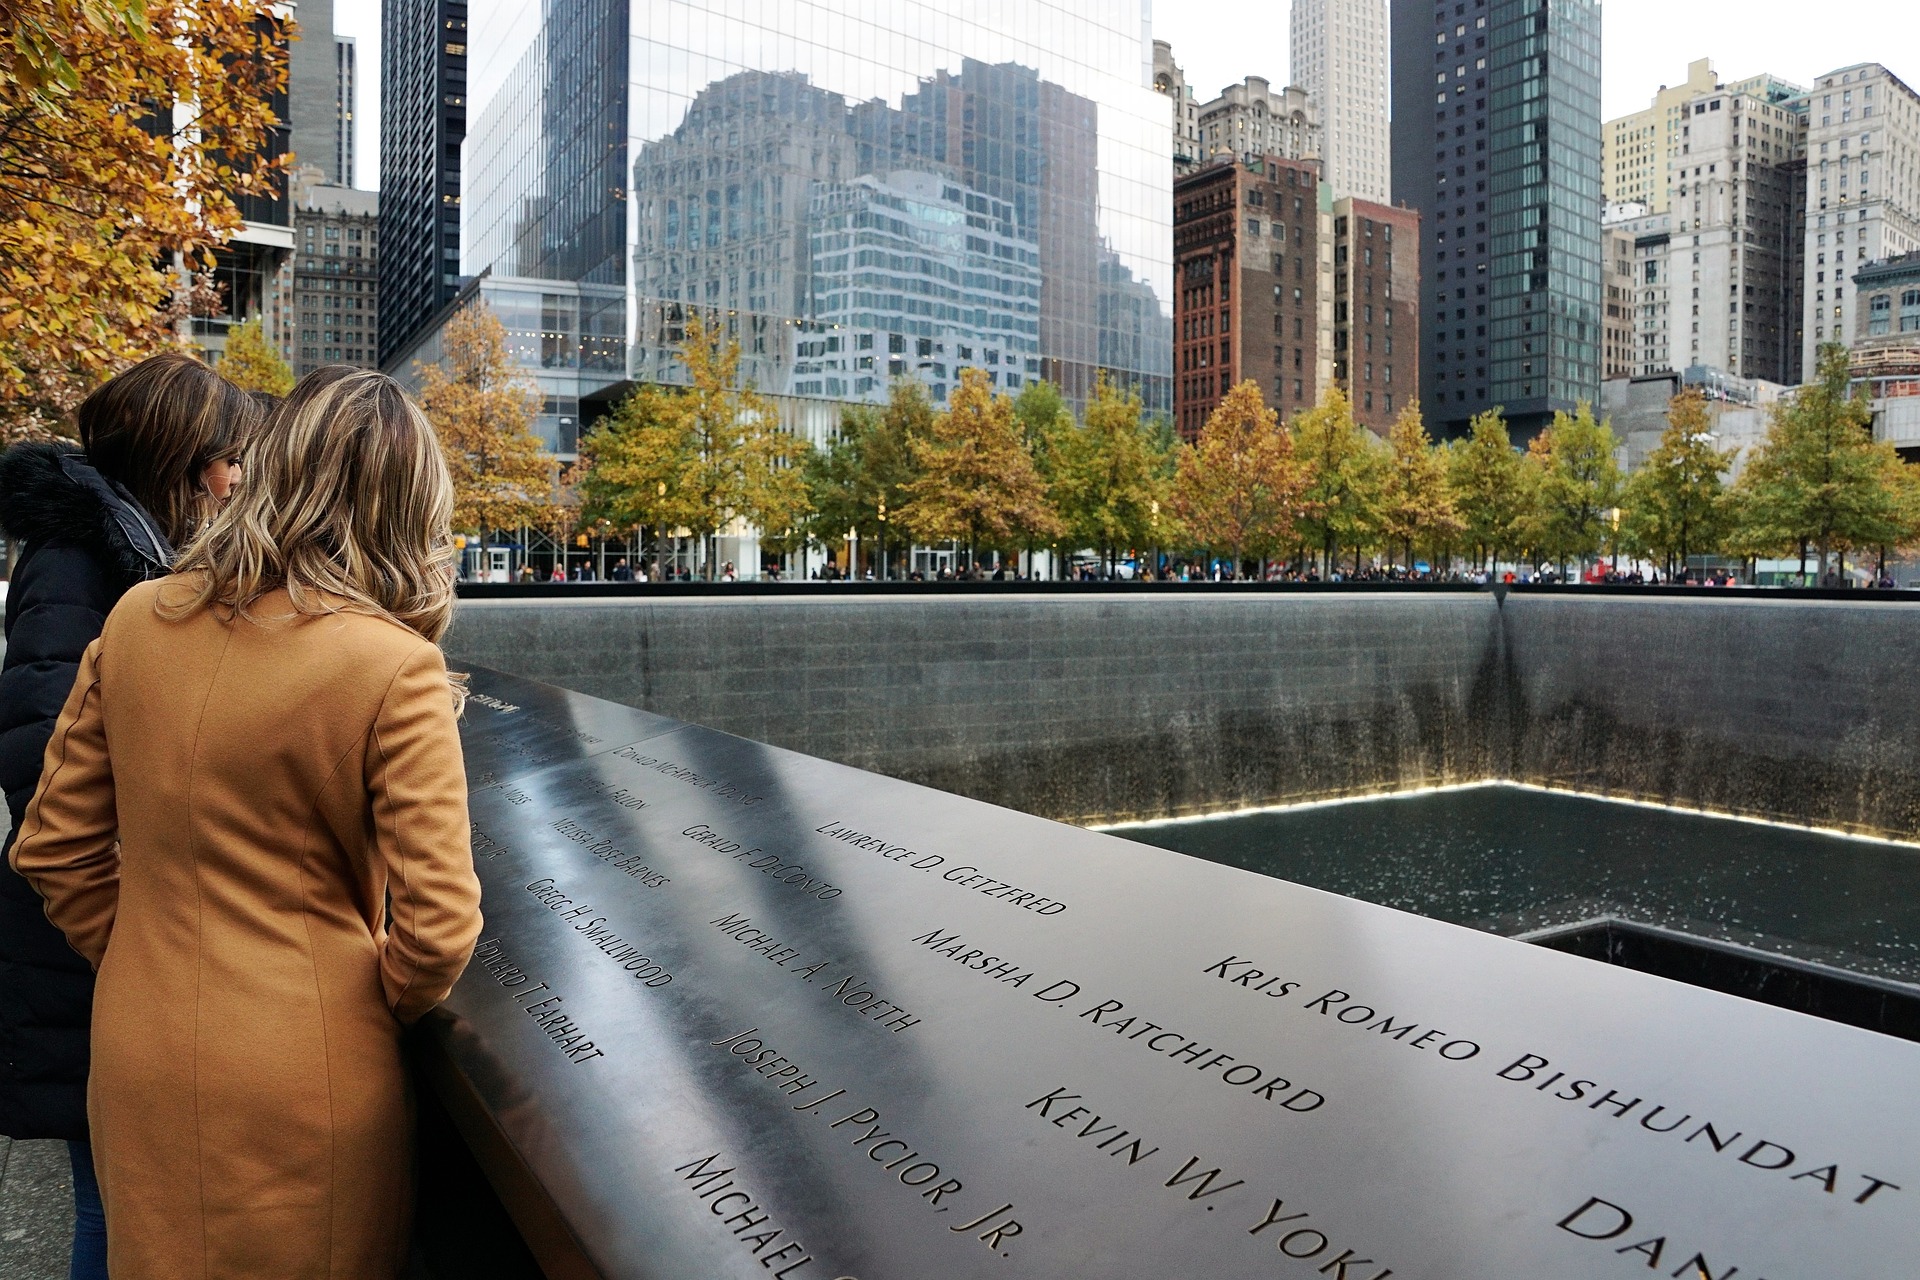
{"points": [[644, 969], [715, 787], [546, 1013], [741, 1212], [613, 855]]}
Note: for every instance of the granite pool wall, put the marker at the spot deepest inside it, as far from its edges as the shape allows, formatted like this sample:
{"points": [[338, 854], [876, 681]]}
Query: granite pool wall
{"points": [[1106, 706]]}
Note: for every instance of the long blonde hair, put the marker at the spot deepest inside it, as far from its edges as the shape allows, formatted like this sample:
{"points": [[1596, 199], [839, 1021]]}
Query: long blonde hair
{"points": [[347, 504]]}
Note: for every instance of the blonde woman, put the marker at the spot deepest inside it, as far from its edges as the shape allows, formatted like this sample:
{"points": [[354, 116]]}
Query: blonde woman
{"points": [[256, 770]]}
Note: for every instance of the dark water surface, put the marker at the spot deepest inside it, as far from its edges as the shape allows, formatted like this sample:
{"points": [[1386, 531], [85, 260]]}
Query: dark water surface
{"points": [[1511, 860]]}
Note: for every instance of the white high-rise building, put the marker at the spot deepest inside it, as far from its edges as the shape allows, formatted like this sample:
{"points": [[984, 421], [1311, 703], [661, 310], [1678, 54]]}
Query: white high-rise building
{"points": [[1735, 185], [1340, 59], [1863, 192]]}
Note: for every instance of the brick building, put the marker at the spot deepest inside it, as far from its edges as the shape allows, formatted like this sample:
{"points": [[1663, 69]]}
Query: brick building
{"points": [[1376, 300], [1253, 285], [1277, 283]]}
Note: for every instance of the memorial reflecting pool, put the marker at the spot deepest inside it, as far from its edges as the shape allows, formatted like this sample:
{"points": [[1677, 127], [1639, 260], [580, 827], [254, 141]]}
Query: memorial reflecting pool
{"points": [[1513, 860]]}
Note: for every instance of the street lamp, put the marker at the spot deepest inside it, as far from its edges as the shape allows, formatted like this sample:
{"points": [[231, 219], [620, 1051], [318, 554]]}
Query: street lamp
{"points": [[883, 540]]}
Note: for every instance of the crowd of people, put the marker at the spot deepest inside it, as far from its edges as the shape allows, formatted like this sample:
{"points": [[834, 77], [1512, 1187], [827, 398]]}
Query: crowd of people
{"points": [[239, 861], [1600, 573]]}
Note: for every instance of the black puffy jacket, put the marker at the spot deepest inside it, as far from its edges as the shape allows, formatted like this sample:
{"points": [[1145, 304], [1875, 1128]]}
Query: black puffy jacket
{"points": [[87, 541]]}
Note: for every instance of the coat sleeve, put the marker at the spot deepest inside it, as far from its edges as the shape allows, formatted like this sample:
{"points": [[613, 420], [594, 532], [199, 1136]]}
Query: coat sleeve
{"points": [[59, 600], [417, 781], [69, 840]]}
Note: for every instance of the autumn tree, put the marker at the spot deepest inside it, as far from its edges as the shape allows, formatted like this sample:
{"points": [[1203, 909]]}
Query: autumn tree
{"points": [[1044, 420], [836, 482], [1415, 504], [1348, 471], [128, 132], [1240, 487], [1047, 427], [975, 481], [633, 466], [483, 410], [858, 481], [1491, 487], [1675, 502], [1901, 530], [743, 464], [251, 363], [1576, 485], [1106, 482], [1819, 480]]}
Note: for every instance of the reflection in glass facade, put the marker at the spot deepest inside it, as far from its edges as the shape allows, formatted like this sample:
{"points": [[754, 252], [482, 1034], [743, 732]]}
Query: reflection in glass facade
{"points": [[566, 338], [863, 191]]}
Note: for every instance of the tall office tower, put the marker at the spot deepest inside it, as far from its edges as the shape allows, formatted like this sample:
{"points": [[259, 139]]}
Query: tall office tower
{"points": [[1863, 192], [343, 57], [1734, 258], [313, 90], [1376, 308], [1253, 262], [1340, 59], [1252, 119], [627, 171], [253, 271], [1170, 80], [423, 85], [1500, 150]]}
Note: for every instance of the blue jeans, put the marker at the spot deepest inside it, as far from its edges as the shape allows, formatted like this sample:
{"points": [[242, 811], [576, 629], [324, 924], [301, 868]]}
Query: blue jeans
{"points": [[89, 1219]]}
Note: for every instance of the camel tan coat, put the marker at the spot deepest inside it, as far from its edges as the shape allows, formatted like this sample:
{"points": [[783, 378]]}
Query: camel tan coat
{"points": [[227, 809]]}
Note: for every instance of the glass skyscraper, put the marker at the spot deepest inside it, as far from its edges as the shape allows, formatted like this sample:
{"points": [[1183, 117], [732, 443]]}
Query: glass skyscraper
{"points": [[423, 80], [1496, 138], [857, 191]]}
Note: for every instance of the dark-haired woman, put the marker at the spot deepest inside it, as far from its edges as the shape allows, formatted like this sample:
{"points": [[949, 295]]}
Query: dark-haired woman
{"points": [[160, 448]]}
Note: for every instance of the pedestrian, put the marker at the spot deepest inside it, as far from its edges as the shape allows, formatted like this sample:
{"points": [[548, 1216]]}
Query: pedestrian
{"points": [[267, 861], [159, 450], [621, 571]]}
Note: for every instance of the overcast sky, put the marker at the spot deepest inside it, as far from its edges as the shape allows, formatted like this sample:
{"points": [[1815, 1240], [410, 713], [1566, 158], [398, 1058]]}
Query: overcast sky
{"points": [[361, 20], [1646, 43]]}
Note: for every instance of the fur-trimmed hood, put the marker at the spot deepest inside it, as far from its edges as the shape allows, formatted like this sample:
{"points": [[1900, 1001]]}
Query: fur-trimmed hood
{"points": [[50, 492]]}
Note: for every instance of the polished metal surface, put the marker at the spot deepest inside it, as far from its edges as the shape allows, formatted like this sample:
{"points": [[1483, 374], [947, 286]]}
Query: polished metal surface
{"points": [[740, 1012]]}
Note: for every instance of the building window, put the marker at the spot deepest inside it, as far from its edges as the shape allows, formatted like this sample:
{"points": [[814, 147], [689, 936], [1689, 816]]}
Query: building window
{"points": [[1910, 311], [1880, 314]]}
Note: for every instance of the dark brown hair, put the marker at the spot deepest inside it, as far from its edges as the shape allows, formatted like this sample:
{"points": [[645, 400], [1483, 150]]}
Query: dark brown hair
{"points": [[155, 428]]}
